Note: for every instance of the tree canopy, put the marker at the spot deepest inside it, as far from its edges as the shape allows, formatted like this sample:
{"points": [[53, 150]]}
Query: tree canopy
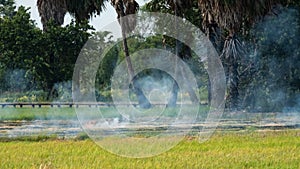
{"points": [[258, 42]]}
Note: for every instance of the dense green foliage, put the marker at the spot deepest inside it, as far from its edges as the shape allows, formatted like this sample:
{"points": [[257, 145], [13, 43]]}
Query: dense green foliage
{"points": [[38, 66], [261, 59], [273, 79], [7, 8], [264, 67], [34, 60]]}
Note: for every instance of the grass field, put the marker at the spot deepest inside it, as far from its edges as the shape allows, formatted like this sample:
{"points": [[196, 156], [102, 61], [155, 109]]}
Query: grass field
{"points": [[65, 113], [268, 149], [248, 148], [37, 113]]}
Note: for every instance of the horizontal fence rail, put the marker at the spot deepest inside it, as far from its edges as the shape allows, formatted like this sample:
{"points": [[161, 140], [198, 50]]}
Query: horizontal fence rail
{"points": [[72, 104]]}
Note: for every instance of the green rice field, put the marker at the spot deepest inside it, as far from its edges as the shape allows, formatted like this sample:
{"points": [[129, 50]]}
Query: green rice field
{"points": [[247, 148], [268, 149]]}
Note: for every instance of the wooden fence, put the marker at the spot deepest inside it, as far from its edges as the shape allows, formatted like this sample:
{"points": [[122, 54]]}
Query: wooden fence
{"points": [[69, 104]]}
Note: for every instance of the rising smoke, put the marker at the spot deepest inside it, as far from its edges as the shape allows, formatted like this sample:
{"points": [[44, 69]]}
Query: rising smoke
{"points": [[275, 83]]}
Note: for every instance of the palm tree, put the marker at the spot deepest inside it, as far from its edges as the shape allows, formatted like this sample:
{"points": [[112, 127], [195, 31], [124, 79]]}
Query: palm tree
{"points": [[126, 8], [57, 9], [84, 9], [229, 16], [232, 15], [53, 9], [179, 8]]}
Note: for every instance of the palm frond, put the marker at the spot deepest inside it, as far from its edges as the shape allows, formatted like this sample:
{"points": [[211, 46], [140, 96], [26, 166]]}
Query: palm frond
{"points": [[85, 9], [231, 14], [180, 4], [57, 9], [233, 49], [126, 8], [52, 9]]}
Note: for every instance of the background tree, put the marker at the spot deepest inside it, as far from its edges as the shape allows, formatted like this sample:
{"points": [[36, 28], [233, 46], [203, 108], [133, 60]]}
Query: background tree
{"points": [[185, 9], [7, 8], [125, 9], [63, 46], [32, 60], [18, 37], [235, 18], [83, 10], [275, 62], [259, 49], [227, 23]]}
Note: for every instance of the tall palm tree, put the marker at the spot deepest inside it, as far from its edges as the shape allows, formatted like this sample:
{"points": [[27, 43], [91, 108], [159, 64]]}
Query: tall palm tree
{"points": [[124, 9], [179, 8], [232, 15], [85, 9]]}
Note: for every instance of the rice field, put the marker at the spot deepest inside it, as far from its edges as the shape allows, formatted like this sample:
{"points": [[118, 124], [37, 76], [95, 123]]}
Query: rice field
{"points": [[268, 149], [247, 147]]}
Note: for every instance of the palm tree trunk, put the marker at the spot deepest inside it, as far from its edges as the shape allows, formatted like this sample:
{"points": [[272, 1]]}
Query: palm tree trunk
{"points": [[51, 81], [174, 92], [233, 100], [186, 54], [190, 90], [231, 55], [143, 101]]}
